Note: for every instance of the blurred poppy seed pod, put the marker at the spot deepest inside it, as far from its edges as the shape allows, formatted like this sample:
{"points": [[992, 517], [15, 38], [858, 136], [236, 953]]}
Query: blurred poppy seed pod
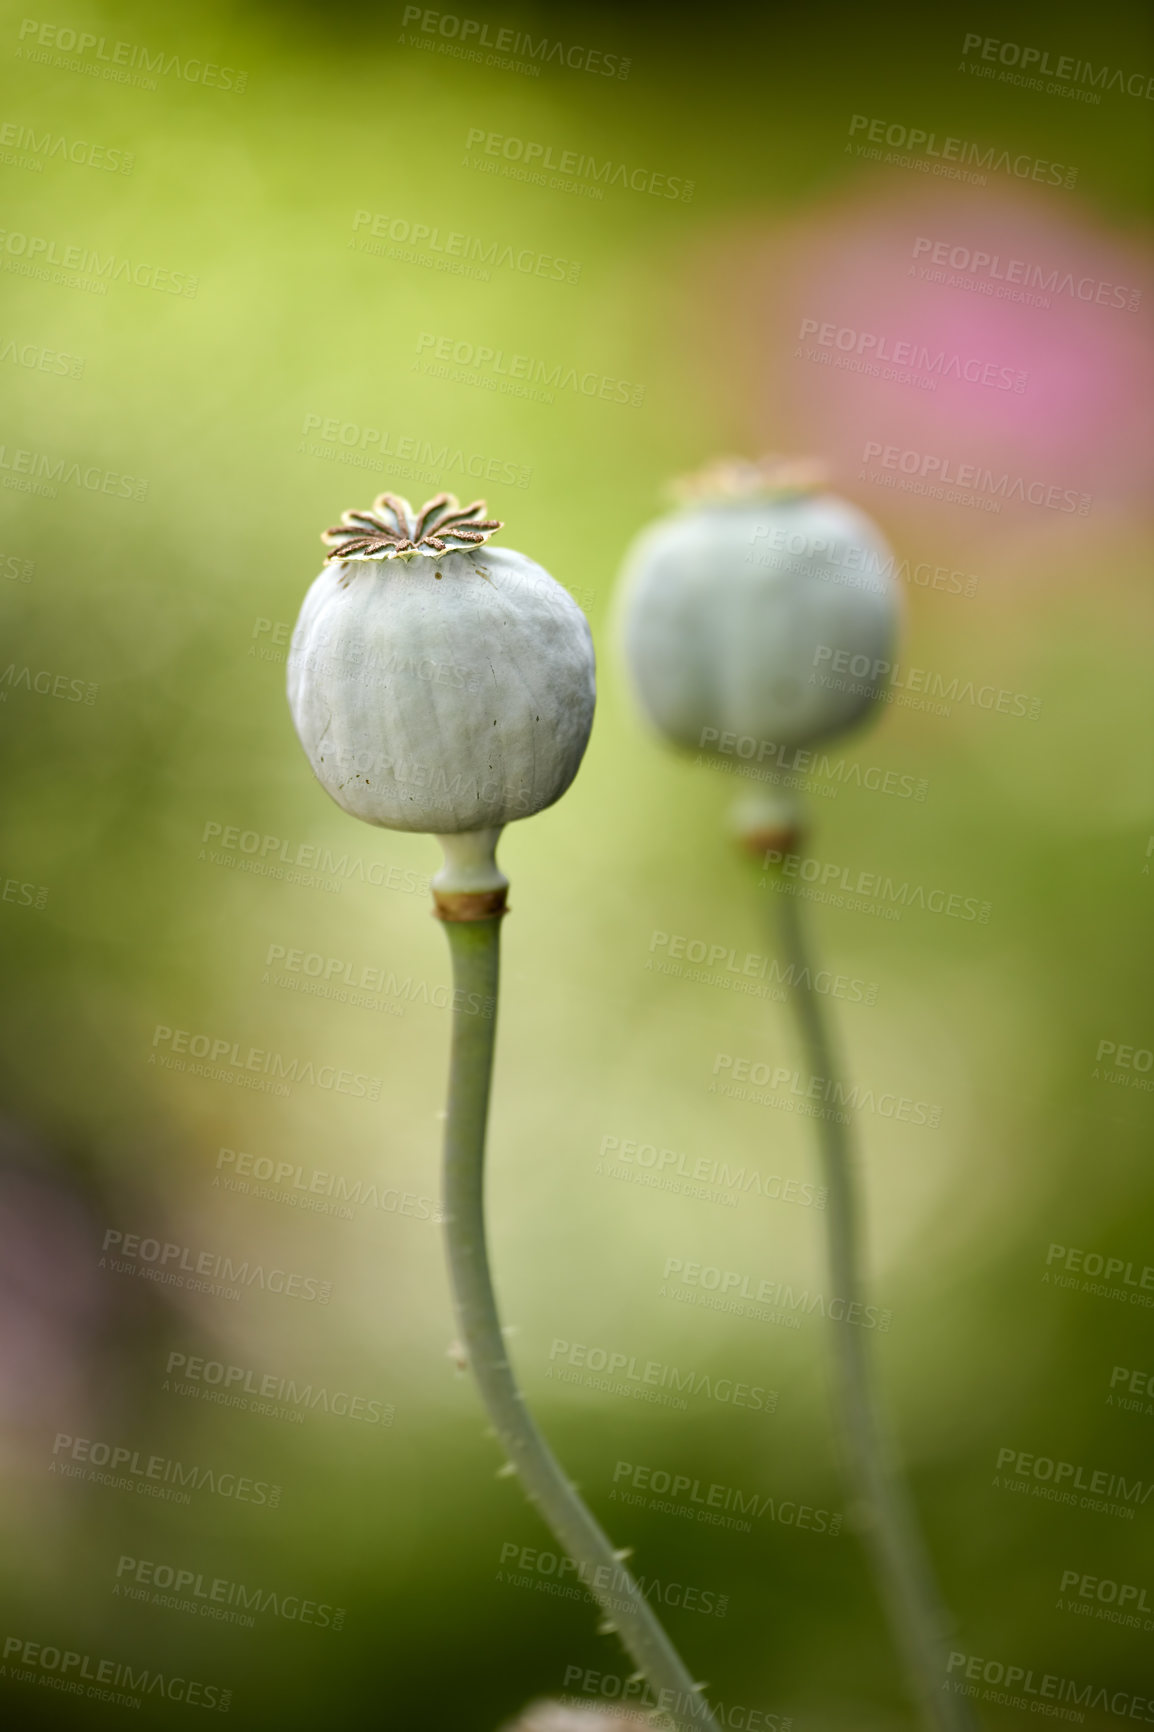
{"points": [[436, 683], [547, 1716], [762, 615]]}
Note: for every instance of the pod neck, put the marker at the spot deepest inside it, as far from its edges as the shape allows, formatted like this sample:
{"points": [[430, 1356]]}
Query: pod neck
{"points": [[470, 885]]}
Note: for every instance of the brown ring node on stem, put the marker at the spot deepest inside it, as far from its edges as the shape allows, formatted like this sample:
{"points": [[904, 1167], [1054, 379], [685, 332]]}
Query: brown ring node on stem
{"points": [[462, 905], [780, 838]]}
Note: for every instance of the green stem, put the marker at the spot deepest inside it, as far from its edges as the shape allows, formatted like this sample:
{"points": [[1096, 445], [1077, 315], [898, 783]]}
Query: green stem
{"points": [[917, 1617], [474, 946]]}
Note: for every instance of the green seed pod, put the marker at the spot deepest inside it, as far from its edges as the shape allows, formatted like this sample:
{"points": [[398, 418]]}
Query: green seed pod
{"points": [[436, 683], [763, 612]]}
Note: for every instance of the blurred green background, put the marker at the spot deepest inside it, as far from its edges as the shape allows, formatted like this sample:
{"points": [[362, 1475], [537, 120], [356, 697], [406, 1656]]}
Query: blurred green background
{"points": [[242, 405]]}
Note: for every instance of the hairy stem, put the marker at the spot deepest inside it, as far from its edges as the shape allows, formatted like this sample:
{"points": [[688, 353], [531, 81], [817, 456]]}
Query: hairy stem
{"points": [[916, 1614], [474, 945]]}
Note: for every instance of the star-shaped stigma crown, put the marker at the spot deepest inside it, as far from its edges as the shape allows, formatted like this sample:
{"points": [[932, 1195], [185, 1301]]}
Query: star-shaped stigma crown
{"points": [[391, 529], [736, 478]]}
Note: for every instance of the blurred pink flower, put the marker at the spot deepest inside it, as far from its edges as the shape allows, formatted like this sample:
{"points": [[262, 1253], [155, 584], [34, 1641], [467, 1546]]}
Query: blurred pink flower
{"points": [[1040, 303], [53, 1308]]}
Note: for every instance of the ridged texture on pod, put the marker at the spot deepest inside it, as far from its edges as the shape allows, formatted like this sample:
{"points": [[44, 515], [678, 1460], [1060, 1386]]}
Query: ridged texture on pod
{"points": [[442, 695], [733, 613]]}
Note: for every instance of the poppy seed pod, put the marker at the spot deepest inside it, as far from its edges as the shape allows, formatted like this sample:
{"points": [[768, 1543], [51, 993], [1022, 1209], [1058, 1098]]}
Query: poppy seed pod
{"points": [[761, 615], [436, 683]]}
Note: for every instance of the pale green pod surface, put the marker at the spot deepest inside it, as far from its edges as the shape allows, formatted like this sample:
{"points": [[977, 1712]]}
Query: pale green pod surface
{"points": [[769, 619], [442, 694]]}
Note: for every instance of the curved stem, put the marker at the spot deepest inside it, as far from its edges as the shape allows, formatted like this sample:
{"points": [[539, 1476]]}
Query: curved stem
{"points": [[474, 946], [916, 1614]]}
